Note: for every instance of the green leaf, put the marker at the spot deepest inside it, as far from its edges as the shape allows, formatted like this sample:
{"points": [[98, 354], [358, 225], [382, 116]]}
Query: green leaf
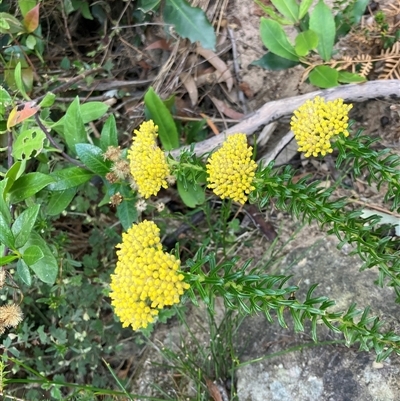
{"points": [[46, 268], [6, 235], [5, 260], [274, 38], [306, 41], [92, 157], [161, 116], [48, 100], [324, 77], [69, 178], [272, 14], [29, 143], [109, 134], [190, 22], [322, 23], [127, 213], [32, 254], [191, 194], [92, 111], [28, 185], [346, 77], [5, 101], [14, 172], [19, 81], [59, 201], [9, 24], [271, 61], [26, 5], [148, 5], [74, 129], [23, 225], [288, 8], [304, 7], [4, 206], [24, 273]]}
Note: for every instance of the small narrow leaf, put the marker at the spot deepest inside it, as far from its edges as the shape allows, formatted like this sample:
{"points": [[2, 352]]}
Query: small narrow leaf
{"points": [[304, 7], [274, 38], [322, 22], [109, 134], [23, 272], [5, 260], [271, 61], [346, 77], [162, 118], [190, 22], [74, 129]]}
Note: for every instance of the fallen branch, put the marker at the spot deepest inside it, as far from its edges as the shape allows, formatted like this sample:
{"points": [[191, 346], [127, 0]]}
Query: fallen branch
{"points": [[274, 110]]}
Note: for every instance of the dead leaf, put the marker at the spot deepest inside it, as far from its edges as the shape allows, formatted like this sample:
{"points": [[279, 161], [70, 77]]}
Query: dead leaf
{"points": [[213, 390], [210, 124], [159, 44], [245, 88], [226, 110], [31, 19], [223, 73], [190, 86]]}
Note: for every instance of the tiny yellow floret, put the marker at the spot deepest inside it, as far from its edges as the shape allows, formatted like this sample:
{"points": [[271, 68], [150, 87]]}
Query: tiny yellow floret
{"points": [[148, 163], [146, 279], [316, 123], [231, 169]]}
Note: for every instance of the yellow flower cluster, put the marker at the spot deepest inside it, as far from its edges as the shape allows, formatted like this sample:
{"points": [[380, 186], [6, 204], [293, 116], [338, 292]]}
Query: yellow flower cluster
{"points": [[148, 163], [231, 169], [146, 279], [316, 122]]}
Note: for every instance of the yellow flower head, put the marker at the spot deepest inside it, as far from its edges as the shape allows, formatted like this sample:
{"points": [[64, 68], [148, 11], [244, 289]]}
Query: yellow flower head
{"points": [[231, 169], [148, 163], [316, 122], [146, 279]]}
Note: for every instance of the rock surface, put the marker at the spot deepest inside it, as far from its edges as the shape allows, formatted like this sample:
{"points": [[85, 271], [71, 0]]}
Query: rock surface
{"points": [[291, 366]]}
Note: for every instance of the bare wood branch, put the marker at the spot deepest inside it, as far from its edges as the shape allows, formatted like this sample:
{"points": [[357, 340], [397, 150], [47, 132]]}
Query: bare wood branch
{"points": [[272, 111]]}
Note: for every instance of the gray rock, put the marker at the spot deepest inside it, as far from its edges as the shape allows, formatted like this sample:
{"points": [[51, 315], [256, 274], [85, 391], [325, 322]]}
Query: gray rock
{"points": [[289, 366]]}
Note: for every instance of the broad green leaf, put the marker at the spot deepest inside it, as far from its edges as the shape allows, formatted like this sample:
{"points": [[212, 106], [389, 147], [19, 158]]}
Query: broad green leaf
{"points": [[32, 254], [48, 100], [28, 185], [323, 24], [5, 260], [92, 157], [127, 213], [6, 235], [59, 201], [148, 5], [24, 273], [346, 77], [29, 143], [69, 178], [288, 8], [109, 134], [191, 195], [46, 268], [306, 41], [92, 111], [30, 42], [9, 24], [324, 77], [271, 61], [4, 206], [304, 7], [23, 225], [274, 38], [161, 116], [14, 172], [190, 22], [31, 19], [26, 5], [74, 129]]}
